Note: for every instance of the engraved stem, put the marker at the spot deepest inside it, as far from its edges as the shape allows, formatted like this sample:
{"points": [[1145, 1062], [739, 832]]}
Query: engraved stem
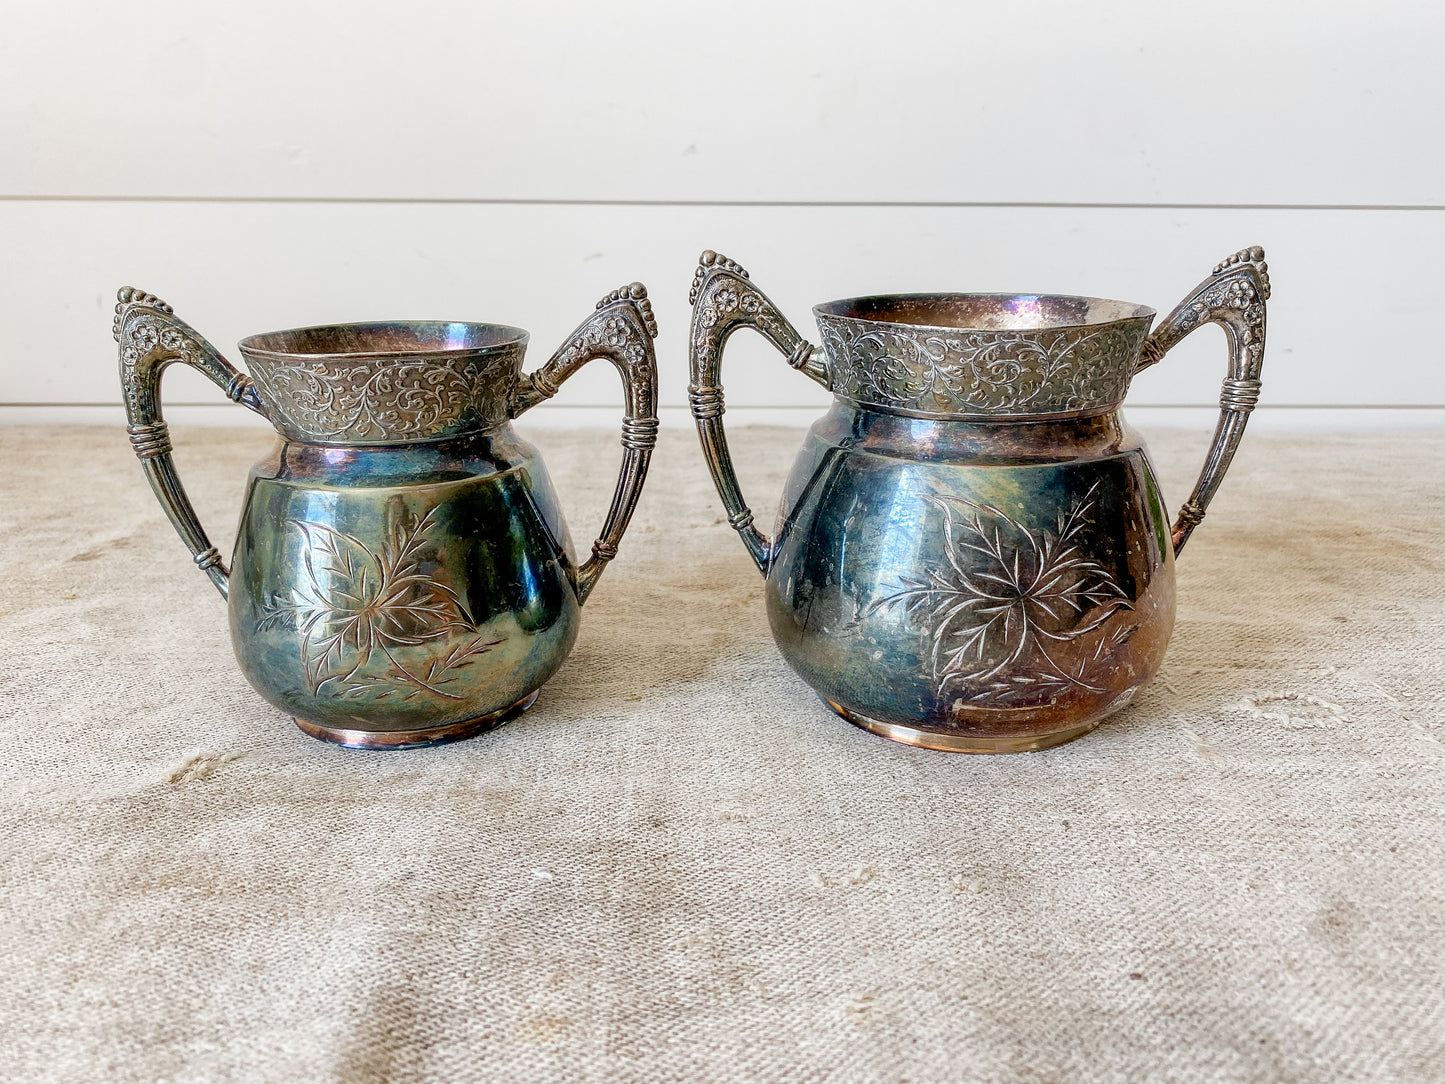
{"points": [[621, 330], [149, 339], [1233, 297], [724, 299]]}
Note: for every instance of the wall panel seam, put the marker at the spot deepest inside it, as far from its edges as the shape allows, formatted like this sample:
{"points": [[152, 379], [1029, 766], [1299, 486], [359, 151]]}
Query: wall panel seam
{"points": [[922, 204]]}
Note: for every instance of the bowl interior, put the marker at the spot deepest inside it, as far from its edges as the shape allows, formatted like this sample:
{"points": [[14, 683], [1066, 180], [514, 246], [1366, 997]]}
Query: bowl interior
{"points": [[389, 338], [984, 312]]}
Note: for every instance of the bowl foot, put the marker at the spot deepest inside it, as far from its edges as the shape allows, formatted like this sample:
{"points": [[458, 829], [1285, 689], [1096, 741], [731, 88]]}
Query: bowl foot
{"points": [[415, 739], [963, 743]]}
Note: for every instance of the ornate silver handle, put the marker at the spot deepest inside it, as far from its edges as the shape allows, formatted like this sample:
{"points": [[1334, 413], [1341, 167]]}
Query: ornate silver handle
{"points": [[150, 338], [621, 330], [723, 300], [1232, 297]]}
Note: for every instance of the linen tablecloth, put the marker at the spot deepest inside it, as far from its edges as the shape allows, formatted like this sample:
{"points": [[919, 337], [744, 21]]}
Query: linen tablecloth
{"points": [[679, 865]]}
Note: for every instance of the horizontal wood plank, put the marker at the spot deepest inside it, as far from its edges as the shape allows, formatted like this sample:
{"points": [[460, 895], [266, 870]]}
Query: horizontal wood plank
{"points": [[1352, 289], [922, 100]]}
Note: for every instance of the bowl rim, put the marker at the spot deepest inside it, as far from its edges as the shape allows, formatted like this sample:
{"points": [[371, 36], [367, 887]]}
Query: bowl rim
{"points": [[846, 309], [252, 346]]}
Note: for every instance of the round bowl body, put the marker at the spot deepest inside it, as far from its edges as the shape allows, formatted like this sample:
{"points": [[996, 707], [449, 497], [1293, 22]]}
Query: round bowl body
{"points": [[984, 587], [401, 595], [973, 553], [402, 574]]}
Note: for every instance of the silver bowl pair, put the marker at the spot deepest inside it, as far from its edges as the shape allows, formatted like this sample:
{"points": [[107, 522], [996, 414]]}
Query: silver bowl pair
{"points": [[972, 553]]}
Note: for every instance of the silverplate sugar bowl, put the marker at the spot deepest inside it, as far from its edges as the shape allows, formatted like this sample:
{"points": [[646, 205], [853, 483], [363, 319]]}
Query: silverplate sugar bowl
{"points": [[973, 553], [402, 573]]}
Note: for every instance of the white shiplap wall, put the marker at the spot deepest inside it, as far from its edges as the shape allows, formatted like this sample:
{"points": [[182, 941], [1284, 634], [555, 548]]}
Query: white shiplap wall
{"points": [[272, 164]]}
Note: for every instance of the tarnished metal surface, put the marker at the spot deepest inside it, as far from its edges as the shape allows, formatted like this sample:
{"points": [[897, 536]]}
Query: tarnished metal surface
{"points": [[998, 356], [973, 553], [358, 384], [402, 572]]}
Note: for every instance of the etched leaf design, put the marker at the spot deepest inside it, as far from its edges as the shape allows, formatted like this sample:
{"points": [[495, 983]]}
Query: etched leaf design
{"points": [[1006, 593], [354, 607]]}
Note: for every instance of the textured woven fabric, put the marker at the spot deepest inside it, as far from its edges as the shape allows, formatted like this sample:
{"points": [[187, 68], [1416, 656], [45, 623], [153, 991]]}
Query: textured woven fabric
{"points": [[679, 866]]}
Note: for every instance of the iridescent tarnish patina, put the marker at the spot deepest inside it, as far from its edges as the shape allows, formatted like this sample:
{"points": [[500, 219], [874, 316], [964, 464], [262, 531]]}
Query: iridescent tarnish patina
{"points": [[972, 552], [402, 573]]}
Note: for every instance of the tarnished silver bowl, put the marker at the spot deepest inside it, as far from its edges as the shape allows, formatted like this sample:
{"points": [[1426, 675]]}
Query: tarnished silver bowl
{"points": [[972, 552], [402, 573]]}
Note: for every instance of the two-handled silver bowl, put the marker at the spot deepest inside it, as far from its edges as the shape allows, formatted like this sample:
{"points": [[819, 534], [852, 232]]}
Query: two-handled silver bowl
{"points": [[402, 573], [972, 552]]}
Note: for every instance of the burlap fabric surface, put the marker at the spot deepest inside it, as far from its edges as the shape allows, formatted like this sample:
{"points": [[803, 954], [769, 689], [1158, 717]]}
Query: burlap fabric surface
{"points": [[679, 866]]}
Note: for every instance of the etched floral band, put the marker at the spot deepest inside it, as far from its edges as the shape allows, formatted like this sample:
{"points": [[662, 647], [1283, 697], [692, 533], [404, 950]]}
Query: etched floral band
{"points": [[972, 552]]}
